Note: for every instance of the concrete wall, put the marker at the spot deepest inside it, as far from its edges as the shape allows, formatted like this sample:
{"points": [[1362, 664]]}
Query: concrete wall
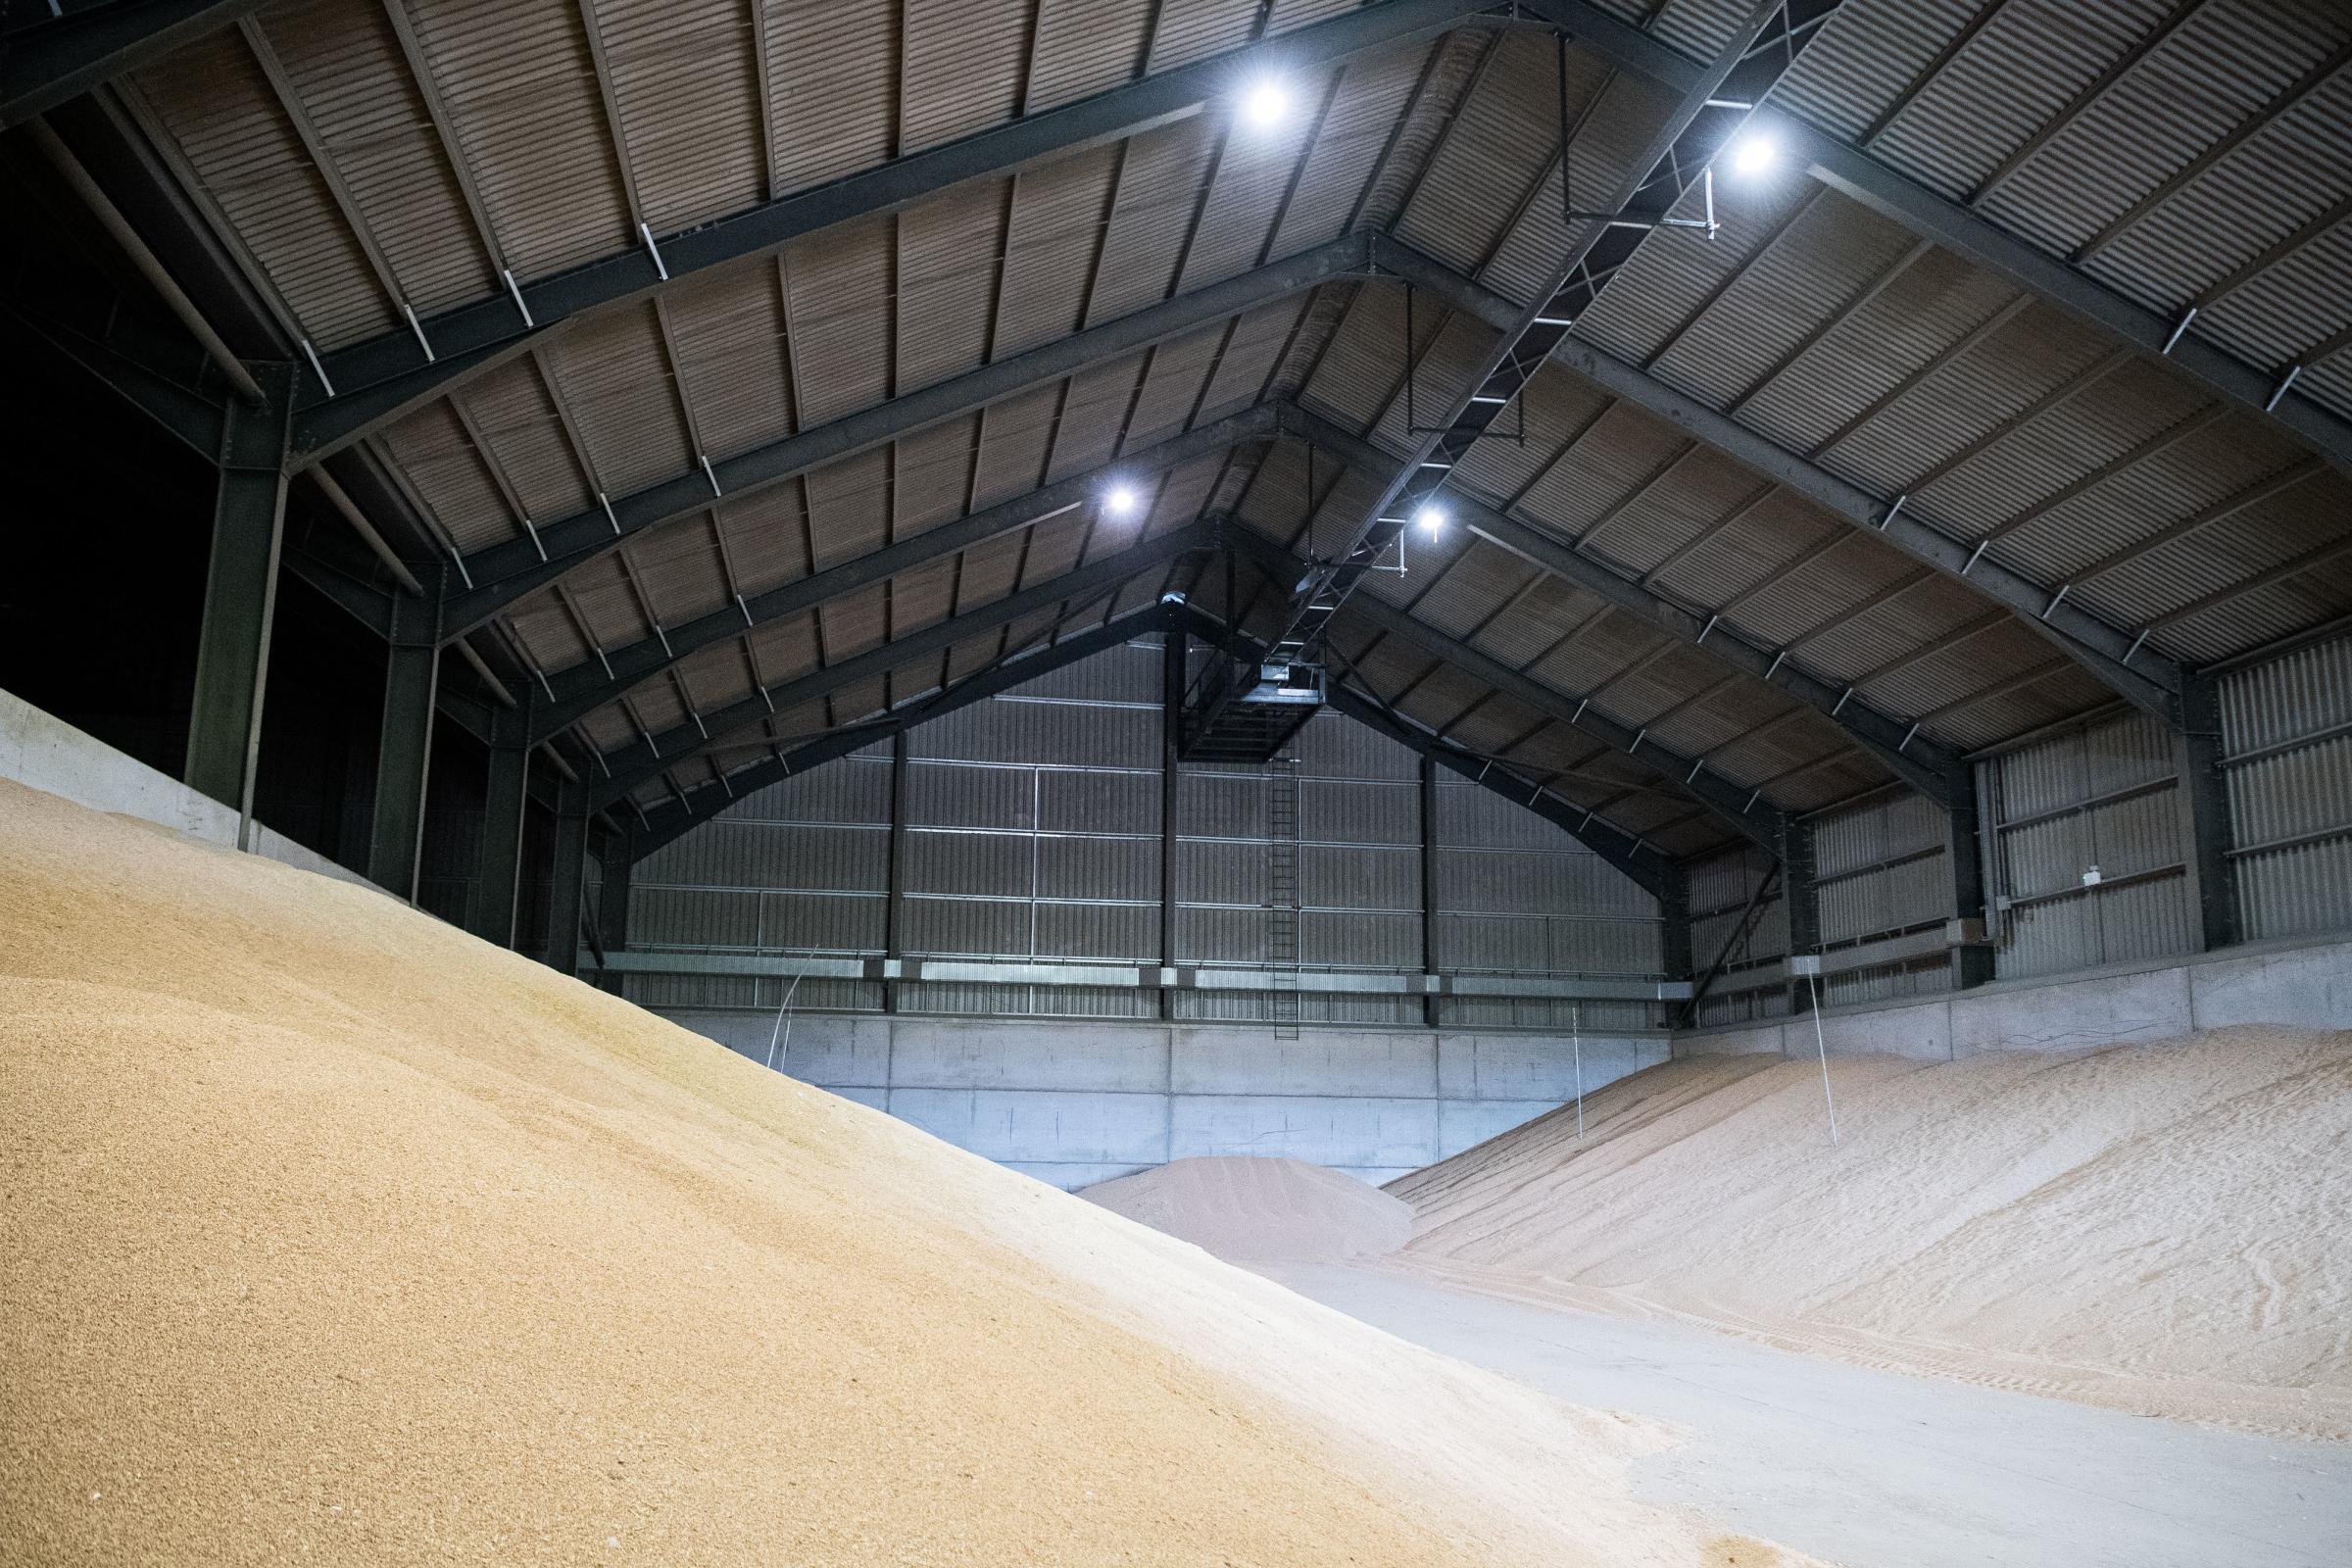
{"points": [[1073, 1102], [48, 754], [2306, 984]]}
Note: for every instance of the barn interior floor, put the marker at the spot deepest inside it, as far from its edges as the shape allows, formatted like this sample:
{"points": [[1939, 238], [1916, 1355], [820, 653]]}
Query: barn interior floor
{"points": [[1873, 1469]]}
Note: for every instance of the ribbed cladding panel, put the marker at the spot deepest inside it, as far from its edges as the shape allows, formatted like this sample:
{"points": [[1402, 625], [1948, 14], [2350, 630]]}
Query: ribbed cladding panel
{"points": [[345, 62], [964, 61], [2018, 72], [729, 328], [1058, 213], [1190, 29], [1886, 983], [1866, 57], [1260, 163], [839, 316], [1085, 47], [2294, 710], [946, 282], [519, 84], [616, 377], [442, 466], [1489, 160], [518, 421], [835, 71], [1343, 156], [686, 76], [2292, 307], [2220, 65], [217, 109]]}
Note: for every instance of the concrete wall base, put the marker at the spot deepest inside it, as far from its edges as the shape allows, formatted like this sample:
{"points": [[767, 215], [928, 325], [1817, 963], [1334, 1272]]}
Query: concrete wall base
{"points": [[1074, 1103], [2305, 984], [48, 754]]}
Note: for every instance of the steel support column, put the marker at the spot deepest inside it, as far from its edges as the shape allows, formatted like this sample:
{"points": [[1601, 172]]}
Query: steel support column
{"points": [[1430, 1004], [241, 598], [1674, 919], [498, 867], [2205, 815], [569, 864], [894, 898], [1171, 740], [619, 857], [1800, 886], [1972, 962], [404, 753]]}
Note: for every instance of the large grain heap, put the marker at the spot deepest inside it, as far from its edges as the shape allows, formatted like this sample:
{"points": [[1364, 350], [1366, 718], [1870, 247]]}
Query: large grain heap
{"points": [[1261, 1208], [331, 1231], [2162, 1228]]}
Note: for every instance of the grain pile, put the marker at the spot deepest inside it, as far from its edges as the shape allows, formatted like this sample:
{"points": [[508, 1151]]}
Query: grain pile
{"points": [[2165, 1229], [332, 1232], [1248, 1210]]}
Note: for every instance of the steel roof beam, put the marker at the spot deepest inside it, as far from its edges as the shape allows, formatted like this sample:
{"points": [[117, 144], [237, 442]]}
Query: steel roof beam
{"points": [[1921, 762], [506, 574], [2147, 680], [1644, 864], [50, 62], [1862, 177], [471, 337], [578, 692], [1739, 807], [627, 770], [704, 802]]}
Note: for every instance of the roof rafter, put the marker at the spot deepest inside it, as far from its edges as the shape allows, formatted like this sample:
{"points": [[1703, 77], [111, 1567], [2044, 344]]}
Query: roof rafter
{"points": [[1921, 762], [64, 58], [391, 373], [504, 574], [580, 691], [1736, 804], [632, 766]]}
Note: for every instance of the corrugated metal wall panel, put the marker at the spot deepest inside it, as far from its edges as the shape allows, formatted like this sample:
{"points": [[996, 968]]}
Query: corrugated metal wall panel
{"points": [[2287, 738]]}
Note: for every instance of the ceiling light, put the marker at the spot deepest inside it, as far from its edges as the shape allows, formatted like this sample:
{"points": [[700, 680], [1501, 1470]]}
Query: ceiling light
{"points": [[1121, 499], [1430, 517], [1265, 104], [1753, 154]]}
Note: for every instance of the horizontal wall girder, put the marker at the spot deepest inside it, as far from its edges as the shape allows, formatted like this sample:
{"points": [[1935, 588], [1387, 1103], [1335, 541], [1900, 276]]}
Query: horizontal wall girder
{"points": [[635, 765], [1146, 976], [504, 574], [386, 376]]}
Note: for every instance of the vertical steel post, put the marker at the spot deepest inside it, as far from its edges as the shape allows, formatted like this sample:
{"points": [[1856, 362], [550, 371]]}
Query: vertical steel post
{"points": [[1674, 922], [240, 597], [2205, 830], [619, 857], [403, 758], [893, 915], [570, 866], [1431, 1009], [1802, 891], [498, 865], [1972, 962], [1171, 741]]}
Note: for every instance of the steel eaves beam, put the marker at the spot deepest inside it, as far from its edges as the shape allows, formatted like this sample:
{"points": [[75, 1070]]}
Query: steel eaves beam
{"points": [[1739, 809], [508, 573], [471, 337], [2147, 680], [1860, 177], [1647, 866], [582, 691], [51, 62], [632, 766], [708, 800], [1921, 762]]}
